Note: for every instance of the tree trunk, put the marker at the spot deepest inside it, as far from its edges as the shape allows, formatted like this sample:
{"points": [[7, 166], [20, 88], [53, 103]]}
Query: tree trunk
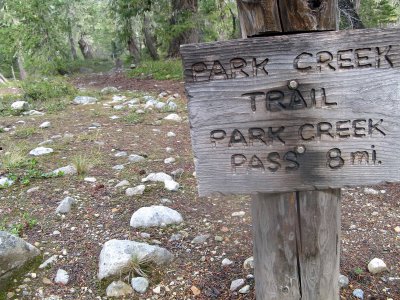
{"points": [[3, 80], [22, 72], [71, 41], [182, 9], [133, 49], [149, 38], [85, 48], [348, 12]]}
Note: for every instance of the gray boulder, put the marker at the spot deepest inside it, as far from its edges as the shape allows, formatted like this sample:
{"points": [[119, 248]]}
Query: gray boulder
{"points": [[155, 216], [118, 289], [84, 100], [20, 106], [15, 253], [116, 256], [65, 205]]}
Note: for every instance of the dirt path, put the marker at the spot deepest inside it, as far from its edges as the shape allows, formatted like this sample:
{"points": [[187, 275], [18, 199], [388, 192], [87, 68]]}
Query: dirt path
{"points": [[103, 212]]}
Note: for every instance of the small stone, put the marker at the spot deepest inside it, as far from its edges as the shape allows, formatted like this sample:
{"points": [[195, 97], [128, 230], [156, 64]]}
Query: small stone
{"points": [[376, 266], [238, 214], [245, 289], [173, 117], [122, 184], [135, 158], [218, 238], [65, 205], [33, 275], [84, 100], [10, 295], [370, 191], [177, 173], [90, 179], [343, 281], [20, 106], [171, 134], [175, 237], [41, 151], [200, 239], [67, 170], [140, 284], [45, 125], [226, 262], [249, 263], [32, 190], [121, 154], [155, 216], [358, 293], [118, 167], [397, 229], [118, 289], [165, 201], [169, 150], [137, 190], [157, 289], [195, 290], [236, 284], [62, 277], [169, 160], [48, 262], [171, 185]]}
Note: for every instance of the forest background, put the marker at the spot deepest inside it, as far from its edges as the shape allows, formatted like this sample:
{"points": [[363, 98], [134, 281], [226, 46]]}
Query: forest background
{"points": [[61, 37]]}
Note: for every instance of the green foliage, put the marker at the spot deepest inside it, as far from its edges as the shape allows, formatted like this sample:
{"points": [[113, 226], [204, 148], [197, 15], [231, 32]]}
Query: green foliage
{"points": [[134, 118], [24, 132], [47, 88], [377, 13], [27, 222], [160, 70], [358, 271]]}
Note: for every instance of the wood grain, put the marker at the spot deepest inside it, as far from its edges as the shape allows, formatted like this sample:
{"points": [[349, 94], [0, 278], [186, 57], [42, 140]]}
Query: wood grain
{"points": [[369, 93]]}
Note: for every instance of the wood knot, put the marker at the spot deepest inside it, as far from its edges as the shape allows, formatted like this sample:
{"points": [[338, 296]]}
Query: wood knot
{"points": [[314, 4]]}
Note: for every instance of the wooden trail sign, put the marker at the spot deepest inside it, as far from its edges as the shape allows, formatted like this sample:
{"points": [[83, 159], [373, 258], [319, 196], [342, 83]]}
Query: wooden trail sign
{"points": [[295, 112]]}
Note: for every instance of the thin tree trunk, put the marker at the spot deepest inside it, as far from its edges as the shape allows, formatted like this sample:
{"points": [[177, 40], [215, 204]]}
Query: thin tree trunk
{"points": [[71, 41], [149, 38], [133, 49], [13, 72], [180, 9], [22, 72], [85, 48], [3, 80]]}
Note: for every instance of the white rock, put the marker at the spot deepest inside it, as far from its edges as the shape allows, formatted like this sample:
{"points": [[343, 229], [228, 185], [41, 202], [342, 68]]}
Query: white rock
{"points": [[226, 262], [238, 214], [343, 281], [135, 158], [157, 177], [118, 98], [118, 107], [122, 183], [67, 170], [249, 263], [171, 185], [33, 190], [376, 266], [5, 181], [173, 117], [45, 125], [84, 100], [169, 150], [41, 151], [20, 105], [118, 289], [48, 262], [114, 117], [46, 142], [109, 90], [169, 160], [160, 105], [116, 256], [140, 284], [65, 205], [370, 191], [200, 239], [137, 190], [235, 284], [155, 216], [245, 289], [171, 134], [33, 113], [118, 167], [62, 277], [90, 179], [121, 154]]}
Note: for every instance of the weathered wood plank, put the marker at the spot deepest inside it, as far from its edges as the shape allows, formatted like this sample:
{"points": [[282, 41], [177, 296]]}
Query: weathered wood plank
{"points": [[256, 134], [319, 244], [275, 250]]}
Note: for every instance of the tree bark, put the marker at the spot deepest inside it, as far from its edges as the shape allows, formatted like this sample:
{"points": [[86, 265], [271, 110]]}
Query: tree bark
{"points": [[149, 38], [181, 11], [133, 49], [85, 48], [71, 41], [22, 72], [349, 12]]}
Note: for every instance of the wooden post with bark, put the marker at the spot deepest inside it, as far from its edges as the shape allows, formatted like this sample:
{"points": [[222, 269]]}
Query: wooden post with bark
{"points": [[296, 235]]}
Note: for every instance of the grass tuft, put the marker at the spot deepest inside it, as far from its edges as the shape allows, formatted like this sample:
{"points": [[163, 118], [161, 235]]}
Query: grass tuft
{"points": [[159, 69]]}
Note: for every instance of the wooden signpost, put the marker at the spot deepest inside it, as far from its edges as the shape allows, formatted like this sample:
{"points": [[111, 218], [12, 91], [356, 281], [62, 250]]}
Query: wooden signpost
{"points": [[306, 113]]}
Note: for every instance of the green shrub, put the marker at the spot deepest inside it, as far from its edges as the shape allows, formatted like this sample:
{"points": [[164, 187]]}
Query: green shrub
{"points": [[159, 69], [47, 88]]}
